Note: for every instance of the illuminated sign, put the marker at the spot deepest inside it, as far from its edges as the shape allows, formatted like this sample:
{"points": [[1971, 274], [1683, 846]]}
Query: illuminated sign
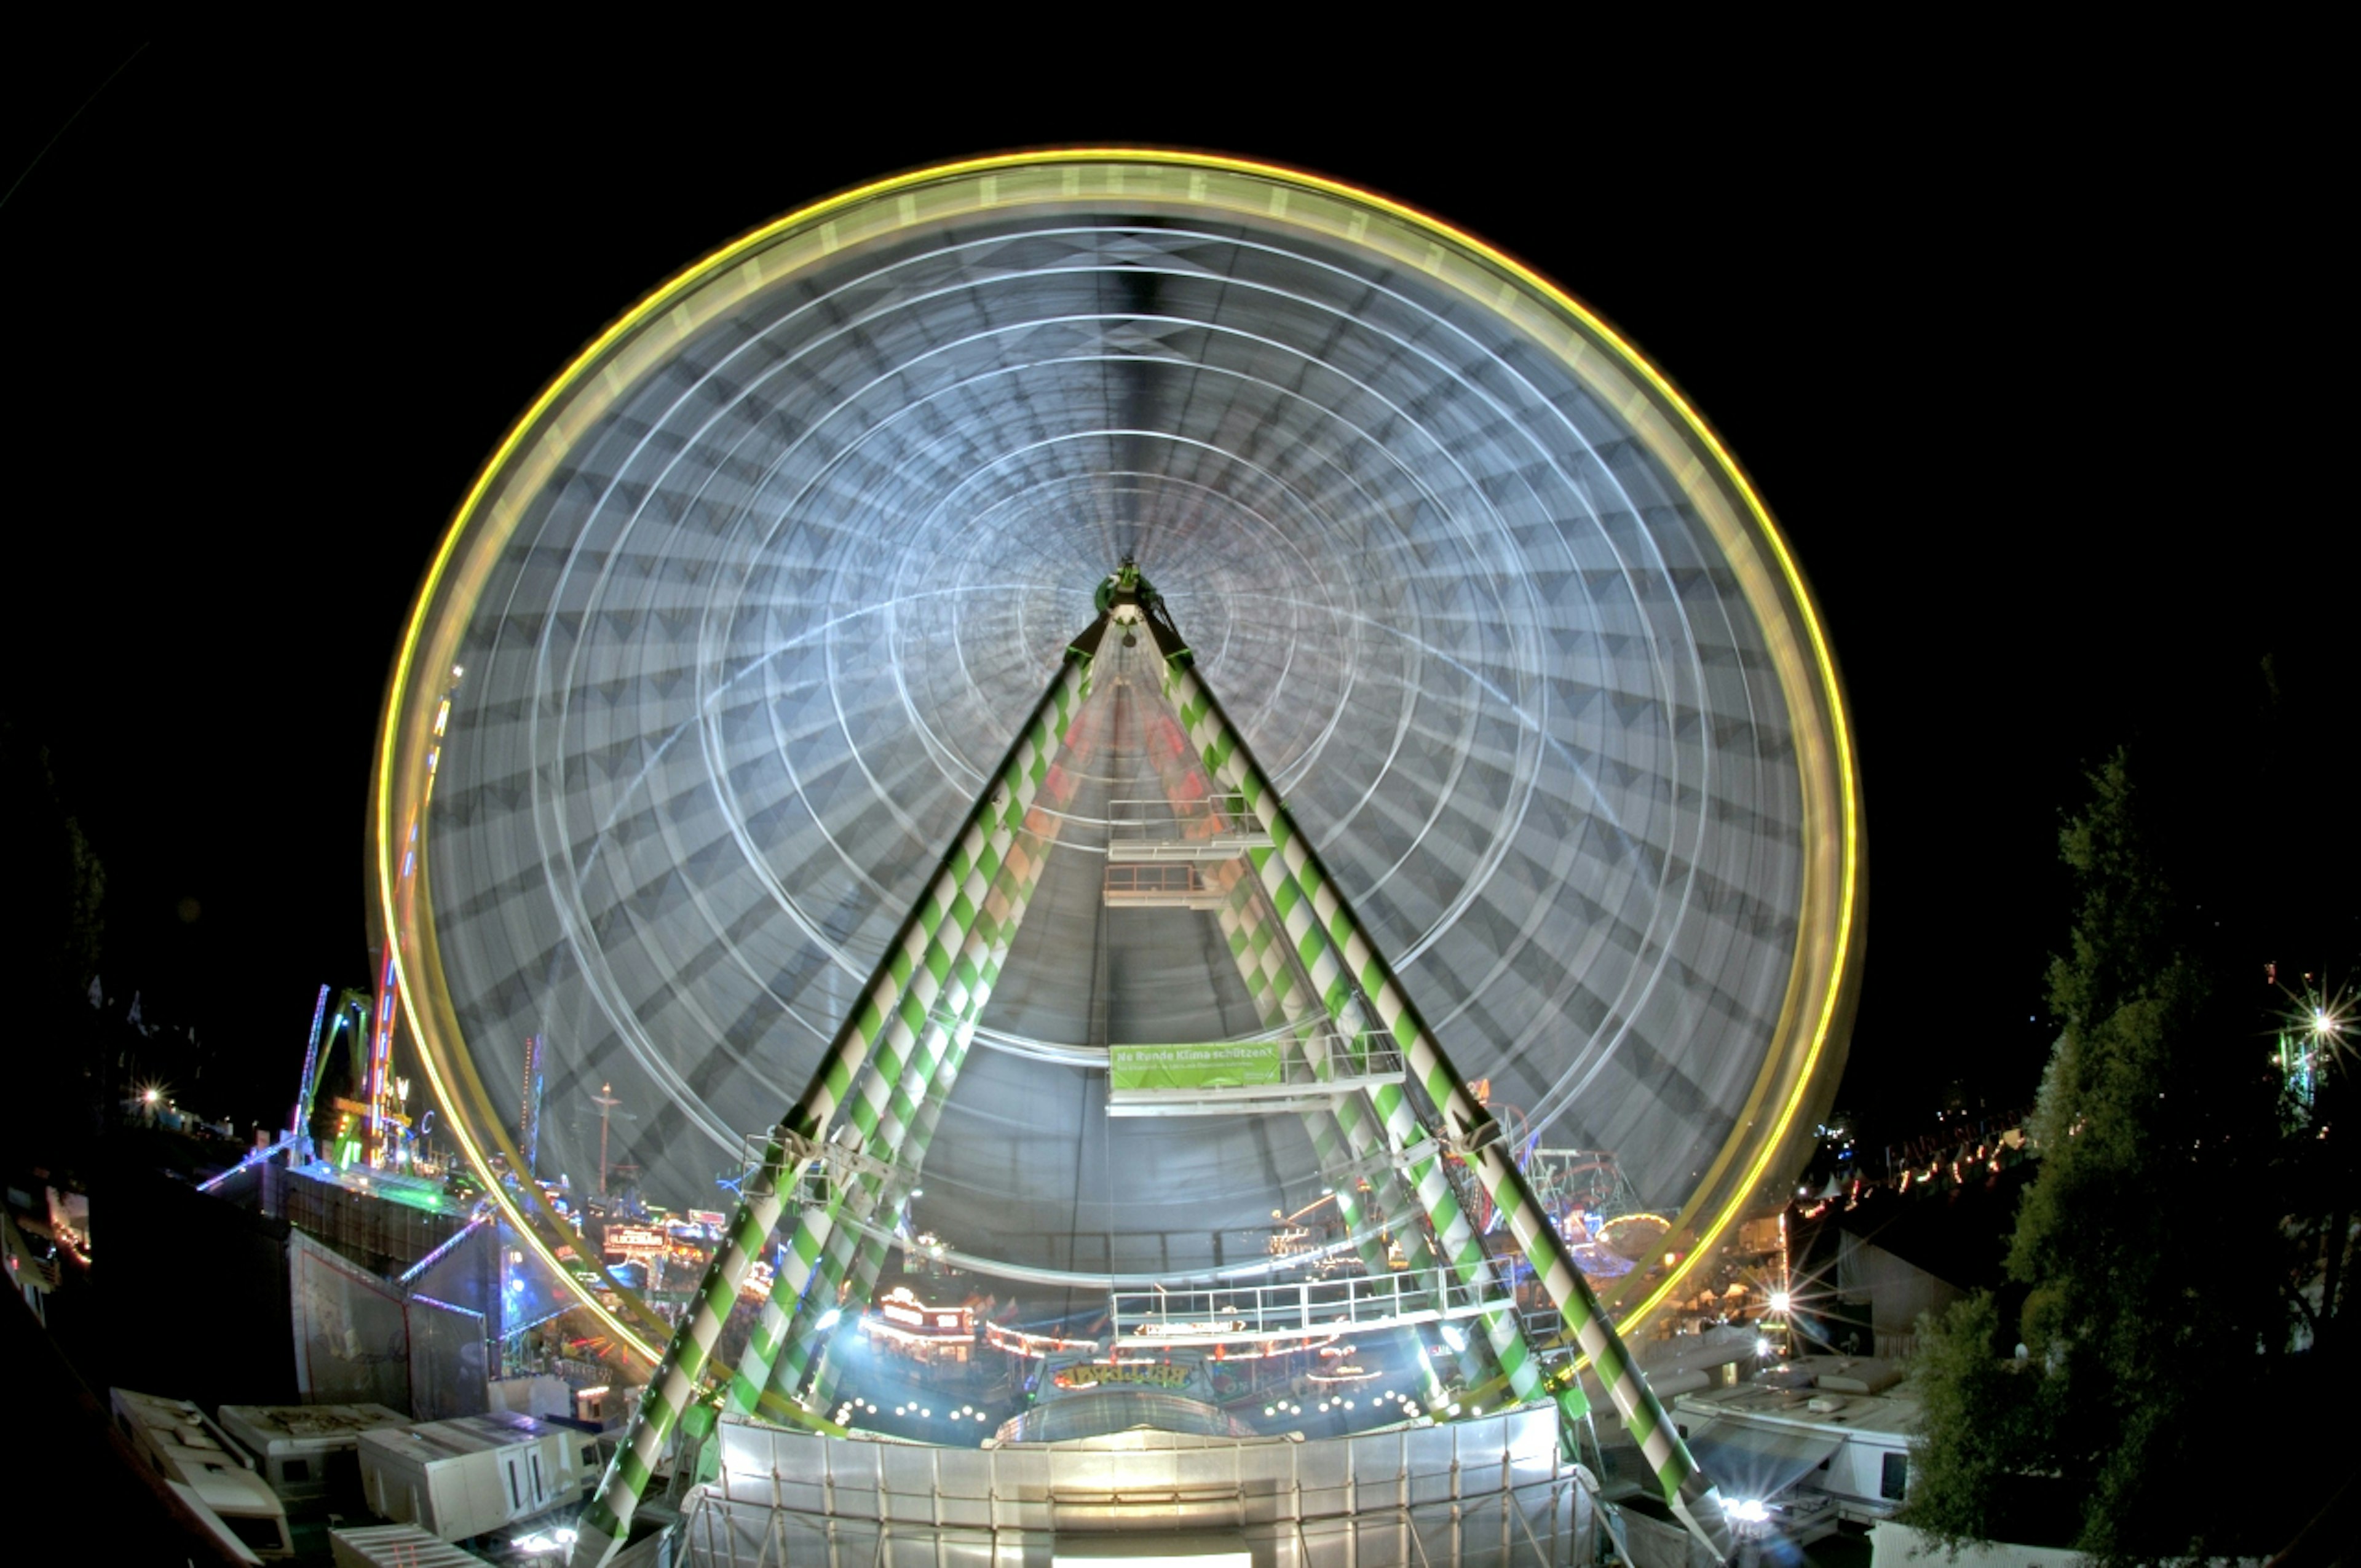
{"points": [[1343, 1375], [711, 1219], [1229, 1064], [636, 1238], [1036, 1345], [1145, 1374], [1229, 1326], [900, 1306]]}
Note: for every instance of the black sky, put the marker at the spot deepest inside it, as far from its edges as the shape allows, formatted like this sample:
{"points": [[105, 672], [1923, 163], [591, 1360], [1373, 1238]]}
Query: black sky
{"points": [[2021, 364]]}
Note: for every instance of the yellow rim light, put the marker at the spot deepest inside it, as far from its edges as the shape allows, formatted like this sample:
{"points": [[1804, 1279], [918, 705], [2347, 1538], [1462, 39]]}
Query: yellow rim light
{"points": [[1828, 949]]}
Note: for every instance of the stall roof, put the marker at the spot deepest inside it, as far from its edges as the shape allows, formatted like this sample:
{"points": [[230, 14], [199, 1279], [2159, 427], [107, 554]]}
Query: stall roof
{"points": [[271, 1427]]}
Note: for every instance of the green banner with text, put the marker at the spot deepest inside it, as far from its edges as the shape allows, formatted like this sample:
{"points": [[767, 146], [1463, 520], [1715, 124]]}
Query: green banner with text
{"points": [[1230, 1064]]}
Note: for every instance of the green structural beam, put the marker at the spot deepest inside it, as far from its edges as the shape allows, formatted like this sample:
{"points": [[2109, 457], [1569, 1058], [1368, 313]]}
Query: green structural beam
{"points": [[1341, 1136], [869, 1260], [1344, 966], [920, 1093], [1456, 1238], [1279, 994], [890, 1019]]}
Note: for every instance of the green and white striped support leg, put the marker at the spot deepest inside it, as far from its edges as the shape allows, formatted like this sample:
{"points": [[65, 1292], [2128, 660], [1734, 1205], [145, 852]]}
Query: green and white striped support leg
{"points": [[920, 1106], [1274, 986], [881, 1132], [815, 1238], [607, 1519], [1453, 1236], [860, 1257], [1338, 956], [854, 1257], [1458, 1240], [1272, 979], [894, 1008], [939, 1056], [1238, 920], [955, 939], [869, 1259], [1502, 1333], [1686, 1485], [869, 1256]]}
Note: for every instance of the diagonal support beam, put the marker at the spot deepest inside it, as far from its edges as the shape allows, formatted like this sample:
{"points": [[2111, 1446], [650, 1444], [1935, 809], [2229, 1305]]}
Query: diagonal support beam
{"points": [[869, 1261], [1343, 1133], [918, 1104], [1285, 956], [1341, 960], [1240, 918], [1342, 1136], [890, 1019]]}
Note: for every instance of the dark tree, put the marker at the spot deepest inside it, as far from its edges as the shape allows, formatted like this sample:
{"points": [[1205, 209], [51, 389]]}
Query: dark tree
{"points": [[55, 896], [2152, 1243]]}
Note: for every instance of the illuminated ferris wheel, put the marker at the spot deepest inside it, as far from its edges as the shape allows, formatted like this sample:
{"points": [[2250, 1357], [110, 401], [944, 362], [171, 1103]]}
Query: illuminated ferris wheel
{"points": [[1005, 565]]}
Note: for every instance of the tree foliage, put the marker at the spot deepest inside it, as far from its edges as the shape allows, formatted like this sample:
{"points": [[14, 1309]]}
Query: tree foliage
{"points": [[2153, 1253], [59, 885], [1974, 1423], [56, 898]]}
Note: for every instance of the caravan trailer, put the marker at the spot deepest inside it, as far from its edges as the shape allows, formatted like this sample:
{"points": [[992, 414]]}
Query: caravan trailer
{"points": [[307, 1451], [395, 1546], [1822, 1439], [204, 1465], [475, 1475]]}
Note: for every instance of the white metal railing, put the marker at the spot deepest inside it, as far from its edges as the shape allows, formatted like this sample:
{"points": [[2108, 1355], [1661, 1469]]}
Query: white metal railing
{"points": [[1484, 1491], [1209, 1315], [1176, 884], [1218, 827], [821, 1176], [1228, 847]]}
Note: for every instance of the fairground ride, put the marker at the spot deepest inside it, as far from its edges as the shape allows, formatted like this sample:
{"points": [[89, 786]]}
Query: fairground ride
{"points": [[1130, 678]]}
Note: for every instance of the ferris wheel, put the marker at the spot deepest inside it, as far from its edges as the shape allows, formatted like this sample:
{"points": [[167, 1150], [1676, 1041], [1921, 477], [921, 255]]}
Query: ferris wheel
{"points": [[728, 643]]}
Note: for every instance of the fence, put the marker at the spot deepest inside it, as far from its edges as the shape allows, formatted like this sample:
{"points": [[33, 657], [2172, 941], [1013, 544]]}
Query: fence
{"points": [[1249, 1310], [1470, 1494]]}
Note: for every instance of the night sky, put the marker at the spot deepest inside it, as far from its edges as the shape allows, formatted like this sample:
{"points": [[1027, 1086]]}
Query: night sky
{"points": [[2021, 379]]}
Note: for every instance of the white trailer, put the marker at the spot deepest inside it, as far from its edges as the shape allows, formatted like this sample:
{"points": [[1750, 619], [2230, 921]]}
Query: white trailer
{"points": [[212, 1473], [537, 1395], [475, 1475], [305, 1448], [1828, 1436], [395, 1546]]}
